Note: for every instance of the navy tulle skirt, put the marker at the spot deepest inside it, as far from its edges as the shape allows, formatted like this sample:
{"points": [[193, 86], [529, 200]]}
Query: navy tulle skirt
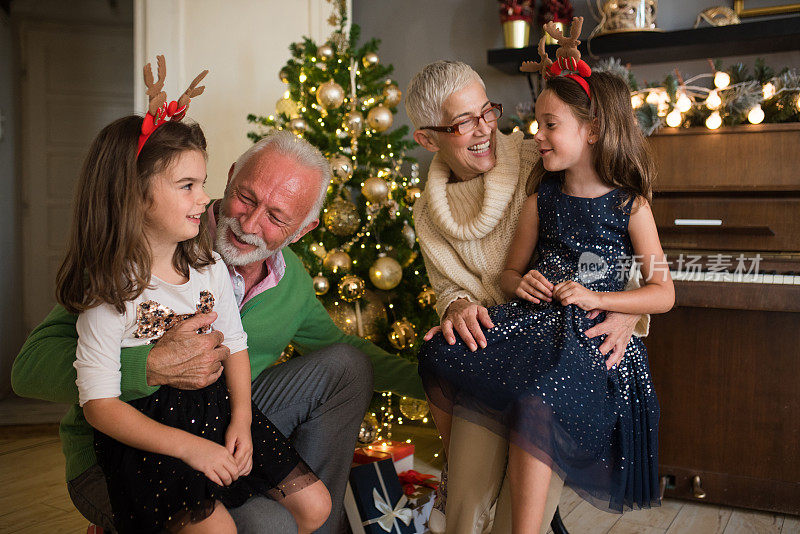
{"points": [[543, 384]]}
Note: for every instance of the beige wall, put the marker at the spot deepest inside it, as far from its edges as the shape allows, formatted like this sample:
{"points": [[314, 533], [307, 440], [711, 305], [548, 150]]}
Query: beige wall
{"points": [[243, 43]]}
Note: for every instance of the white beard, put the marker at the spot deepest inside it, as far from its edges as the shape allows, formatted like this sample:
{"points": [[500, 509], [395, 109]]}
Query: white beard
{"points": [[230, 254]]}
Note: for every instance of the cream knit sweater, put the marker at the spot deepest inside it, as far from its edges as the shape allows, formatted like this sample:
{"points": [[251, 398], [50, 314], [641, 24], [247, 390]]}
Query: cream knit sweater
{"points": [[465, 229]]}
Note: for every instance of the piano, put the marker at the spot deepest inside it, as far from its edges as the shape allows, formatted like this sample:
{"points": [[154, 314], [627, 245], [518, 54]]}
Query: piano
{"points": [[726, 360]]}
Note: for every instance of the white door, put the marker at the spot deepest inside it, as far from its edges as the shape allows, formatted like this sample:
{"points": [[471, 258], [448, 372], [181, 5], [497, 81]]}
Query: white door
{"points": [[76, 79]]}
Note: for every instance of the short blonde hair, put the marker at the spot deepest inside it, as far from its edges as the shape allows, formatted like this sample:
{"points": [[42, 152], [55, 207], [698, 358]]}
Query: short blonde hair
{"points": [[431, 86]]}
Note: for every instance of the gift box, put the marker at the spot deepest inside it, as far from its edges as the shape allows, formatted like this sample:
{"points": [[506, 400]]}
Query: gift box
{"points": [[421, 505], [420, 488], [374, 500], [400, 452]]}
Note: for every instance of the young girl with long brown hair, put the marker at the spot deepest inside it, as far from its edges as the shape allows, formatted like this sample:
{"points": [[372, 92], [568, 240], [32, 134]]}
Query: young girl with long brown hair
{"points": [[540, 381], [139, 261]]}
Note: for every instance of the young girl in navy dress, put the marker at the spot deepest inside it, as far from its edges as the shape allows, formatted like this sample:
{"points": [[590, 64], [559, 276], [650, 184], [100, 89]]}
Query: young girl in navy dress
{"points": [[139, 261], [540, 381]]}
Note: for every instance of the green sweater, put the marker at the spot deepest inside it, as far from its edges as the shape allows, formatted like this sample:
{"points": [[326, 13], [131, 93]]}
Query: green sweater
{"points": [[286, 313]]}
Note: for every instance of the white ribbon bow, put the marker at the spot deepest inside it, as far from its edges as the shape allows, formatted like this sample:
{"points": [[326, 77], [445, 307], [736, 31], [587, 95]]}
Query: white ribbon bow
{"points": [[389, 514]]}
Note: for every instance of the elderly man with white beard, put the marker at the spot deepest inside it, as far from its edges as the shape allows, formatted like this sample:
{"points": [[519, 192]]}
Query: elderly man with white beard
{"points": [[273, 197]]}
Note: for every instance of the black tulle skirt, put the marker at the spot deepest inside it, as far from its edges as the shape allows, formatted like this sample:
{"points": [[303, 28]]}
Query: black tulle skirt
{"points": [[156, 493]]}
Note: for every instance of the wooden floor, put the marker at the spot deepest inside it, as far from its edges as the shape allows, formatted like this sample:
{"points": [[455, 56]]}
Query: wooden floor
{"points": [[33, 497]]}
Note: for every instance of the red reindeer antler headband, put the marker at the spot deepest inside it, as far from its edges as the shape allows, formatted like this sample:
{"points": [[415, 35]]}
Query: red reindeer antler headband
{"points": [[158, 111], [568, 63]]}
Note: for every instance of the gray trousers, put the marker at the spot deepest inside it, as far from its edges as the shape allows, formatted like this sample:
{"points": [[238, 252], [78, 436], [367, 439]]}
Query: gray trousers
{"points": [[317, 401]]}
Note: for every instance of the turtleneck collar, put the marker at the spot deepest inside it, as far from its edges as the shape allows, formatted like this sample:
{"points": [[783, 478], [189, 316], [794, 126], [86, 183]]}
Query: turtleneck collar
{"points": [[499, 185]]}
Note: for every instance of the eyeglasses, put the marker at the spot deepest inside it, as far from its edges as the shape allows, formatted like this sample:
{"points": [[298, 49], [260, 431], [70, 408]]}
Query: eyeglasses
{"points": [[464, 127]]}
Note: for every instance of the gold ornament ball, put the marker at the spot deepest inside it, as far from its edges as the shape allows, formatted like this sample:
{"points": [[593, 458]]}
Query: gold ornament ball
{"points": [[351, 287], [402, 334], [380, 118], [368, 432], [412, 194], [298, 125], [373, 312], [341, 168], [337, 260], [427, 297], [414, 409], [370, 59], [341, 217], [354, 122], [375, 189], [392, 95], [330, 95], [385, 273], [287, 106], [321, 285], [325, 52], [317, 250], [345, 316], [284, 75]]}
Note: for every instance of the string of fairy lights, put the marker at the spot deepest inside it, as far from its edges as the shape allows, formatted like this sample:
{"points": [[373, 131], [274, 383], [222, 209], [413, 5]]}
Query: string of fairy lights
{"points": [[688, 101]]}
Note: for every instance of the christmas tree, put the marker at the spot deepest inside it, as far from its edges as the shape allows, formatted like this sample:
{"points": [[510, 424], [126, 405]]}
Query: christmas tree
{"points": [[364, 256]]}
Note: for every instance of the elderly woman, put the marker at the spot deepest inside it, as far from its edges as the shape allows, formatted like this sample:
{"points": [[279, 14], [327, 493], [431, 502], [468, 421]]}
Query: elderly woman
{"points": [[465, 220]]}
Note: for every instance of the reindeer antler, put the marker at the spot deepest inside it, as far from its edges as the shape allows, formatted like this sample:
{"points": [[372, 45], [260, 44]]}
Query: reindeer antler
{"points": [[567, 46], [575, 28], [193, 90], [154, 89], [540, 66], [554, 31], [158, 111]]}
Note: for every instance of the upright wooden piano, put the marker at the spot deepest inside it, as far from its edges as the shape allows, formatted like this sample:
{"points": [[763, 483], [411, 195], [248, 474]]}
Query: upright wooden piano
{"points": [[726, 359]]}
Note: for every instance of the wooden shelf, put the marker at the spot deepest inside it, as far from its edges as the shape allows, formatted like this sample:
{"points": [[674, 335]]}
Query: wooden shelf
{"points": [[762, 37]]}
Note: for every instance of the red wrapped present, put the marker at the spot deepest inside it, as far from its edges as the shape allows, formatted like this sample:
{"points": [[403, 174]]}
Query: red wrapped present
{"points": [[401, 453], [411, 479]]}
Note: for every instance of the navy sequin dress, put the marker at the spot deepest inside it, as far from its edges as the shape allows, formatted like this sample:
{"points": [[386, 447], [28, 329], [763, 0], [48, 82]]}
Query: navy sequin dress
{"points": [[543, 384]]}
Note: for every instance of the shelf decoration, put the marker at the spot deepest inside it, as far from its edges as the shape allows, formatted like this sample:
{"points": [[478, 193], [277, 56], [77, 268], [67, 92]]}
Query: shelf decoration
{"points": [[735, 96], [558, 12], [626, 16], [720, 97], [516, 16]]}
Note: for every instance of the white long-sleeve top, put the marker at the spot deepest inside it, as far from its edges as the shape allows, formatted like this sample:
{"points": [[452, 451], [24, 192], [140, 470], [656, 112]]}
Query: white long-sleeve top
{"points": [[103, 331]]}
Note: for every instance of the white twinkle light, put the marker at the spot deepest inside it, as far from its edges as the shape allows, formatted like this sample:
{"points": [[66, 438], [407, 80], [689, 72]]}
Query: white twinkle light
{"points": [[714, 121], [756, 115], [713, 101], [722, 79], [769, 90], [684, 103], [674, 118], [533, 128], [637, 101], [652, 98]]}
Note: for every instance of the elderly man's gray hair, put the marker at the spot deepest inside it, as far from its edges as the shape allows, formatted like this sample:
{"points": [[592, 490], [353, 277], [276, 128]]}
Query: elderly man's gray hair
{"points": [[431, 86], [303, 152]]}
